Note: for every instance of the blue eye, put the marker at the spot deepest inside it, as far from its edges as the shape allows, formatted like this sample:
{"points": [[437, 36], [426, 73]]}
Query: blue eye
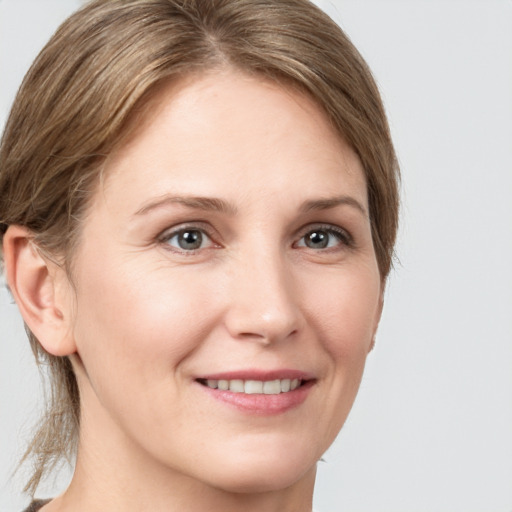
{"points": [[188, 239], [324, 238]]}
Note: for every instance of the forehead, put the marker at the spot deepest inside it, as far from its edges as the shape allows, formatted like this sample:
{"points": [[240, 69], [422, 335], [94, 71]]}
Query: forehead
{"points": [[225, 131]]}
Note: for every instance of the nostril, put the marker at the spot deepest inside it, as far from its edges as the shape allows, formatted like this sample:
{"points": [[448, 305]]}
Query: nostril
{"points": [[267, 336]]}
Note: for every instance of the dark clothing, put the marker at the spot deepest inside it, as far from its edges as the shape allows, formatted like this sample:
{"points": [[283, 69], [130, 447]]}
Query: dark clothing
{"points": [[36, 505]]}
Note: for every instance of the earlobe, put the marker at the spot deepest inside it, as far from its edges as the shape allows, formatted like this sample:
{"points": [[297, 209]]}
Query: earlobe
{"points": [[35, 284], [372, 344], [379, 315]]}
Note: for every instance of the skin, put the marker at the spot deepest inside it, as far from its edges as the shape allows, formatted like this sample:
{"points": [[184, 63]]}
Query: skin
{"points": [[145, 317]]}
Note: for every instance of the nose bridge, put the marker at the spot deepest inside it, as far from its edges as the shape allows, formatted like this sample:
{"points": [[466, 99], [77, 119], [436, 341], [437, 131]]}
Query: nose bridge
{"points": [[262, 296]]}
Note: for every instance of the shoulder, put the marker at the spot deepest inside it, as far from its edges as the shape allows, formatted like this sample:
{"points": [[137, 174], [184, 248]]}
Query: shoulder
{"points": [[36, 505]]}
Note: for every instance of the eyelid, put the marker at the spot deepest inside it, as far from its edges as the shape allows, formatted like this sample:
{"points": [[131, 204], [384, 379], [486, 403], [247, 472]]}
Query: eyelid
{"points": [[342, 234], [171, 232]]}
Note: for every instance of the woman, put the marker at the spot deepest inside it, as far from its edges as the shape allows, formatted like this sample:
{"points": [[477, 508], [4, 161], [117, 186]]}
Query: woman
{"points": [[198, 206]]}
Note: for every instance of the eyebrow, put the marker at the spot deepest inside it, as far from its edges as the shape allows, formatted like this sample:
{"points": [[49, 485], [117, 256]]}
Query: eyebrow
{"points": [[222, 206], [198, 203], [332, 202]]}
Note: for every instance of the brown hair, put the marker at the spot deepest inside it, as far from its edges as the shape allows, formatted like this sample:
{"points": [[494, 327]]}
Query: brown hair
{"points": [[96, 72]]}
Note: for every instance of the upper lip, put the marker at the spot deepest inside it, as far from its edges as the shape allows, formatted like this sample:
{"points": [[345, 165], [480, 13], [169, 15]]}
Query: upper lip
{"points": [[261, 375]]}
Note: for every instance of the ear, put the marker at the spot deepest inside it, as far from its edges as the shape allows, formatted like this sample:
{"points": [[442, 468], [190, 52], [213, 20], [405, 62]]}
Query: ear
{"points": [[378, 317], [41, 290]]}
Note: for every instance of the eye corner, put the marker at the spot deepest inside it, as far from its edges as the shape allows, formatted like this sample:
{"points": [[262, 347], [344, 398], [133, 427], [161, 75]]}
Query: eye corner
{"points": [[187, 240], [327, 237]]}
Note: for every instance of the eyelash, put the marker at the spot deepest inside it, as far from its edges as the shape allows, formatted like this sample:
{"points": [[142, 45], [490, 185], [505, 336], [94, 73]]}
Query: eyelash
{"points": [[167, 236], [341, 235]]}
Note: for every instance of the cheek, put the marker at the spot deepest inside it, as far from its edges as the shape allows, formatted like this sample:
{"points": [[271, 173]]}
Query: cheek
{"points": [[345, 308], [342, 309], [134, 330], [138, 323]]}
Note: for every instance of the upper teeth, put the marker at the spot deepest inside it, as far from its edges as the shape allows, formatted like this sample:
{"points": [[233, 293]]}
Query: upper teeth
{"points": [[267, 387]]}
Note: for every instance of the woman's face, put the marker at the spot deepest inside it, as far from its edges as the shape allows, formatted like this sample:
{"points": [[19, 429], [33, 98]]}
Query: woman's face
{"points": [[227, 289]]}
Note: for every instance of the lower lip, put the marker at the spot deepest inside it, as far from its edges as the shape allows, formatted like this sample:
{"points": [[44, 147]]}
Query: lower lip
{"points": [[260, 403]]}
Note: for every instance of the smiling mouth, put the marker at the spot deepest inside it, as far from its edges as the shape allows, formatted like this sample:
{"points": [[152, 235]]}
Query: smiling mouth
{"points": [[254, 387]]}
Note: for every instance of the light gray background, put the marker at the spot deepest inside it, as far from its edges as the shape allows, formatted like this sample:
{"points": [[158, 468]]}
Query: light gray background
{"points": [[432, 427]]}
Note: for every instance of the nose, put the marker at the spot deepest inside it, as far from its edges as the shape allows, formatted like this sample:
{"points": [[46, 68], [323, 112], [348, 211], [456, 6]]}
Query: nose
{"points": [[263, 304]]}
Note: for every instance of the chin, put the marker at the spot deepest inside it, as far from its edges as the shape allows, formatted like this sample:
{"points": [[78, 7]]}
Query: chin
{"points": [[262, 482], [265, 472]]}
